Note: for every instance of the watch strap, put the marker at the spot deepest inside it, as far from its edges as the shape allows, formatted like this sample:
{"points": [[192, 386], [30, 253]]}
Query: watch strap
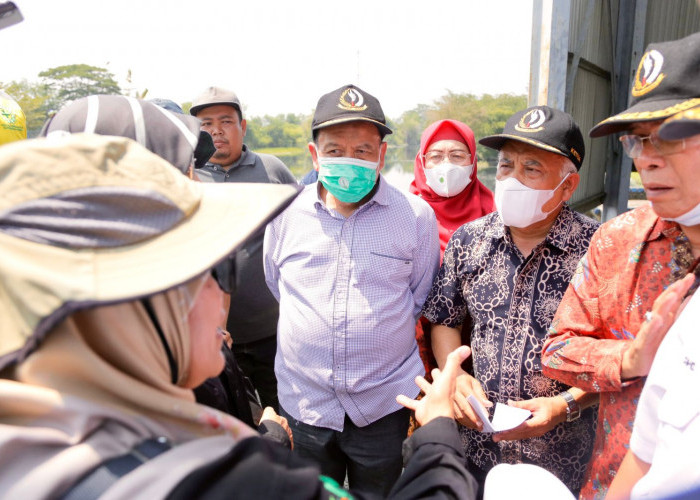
{"points": [[573, 410]]}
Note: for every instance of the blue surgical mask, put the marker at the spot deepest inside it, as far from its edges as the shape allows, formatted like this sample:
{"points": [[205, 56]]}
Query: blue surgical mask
{"points": [[348, 179]]}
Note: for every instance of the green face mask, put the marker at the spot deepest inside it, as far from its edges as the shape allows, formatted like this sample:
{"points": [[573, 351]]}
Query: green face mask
{"points": [[348, 179]]}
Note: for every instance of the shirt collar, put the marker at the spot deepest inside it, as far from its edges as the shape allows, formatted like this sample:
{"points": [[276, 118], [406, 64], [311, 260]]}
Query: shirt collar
{"points": [[663, 228], [557, 236], [247, 158]]}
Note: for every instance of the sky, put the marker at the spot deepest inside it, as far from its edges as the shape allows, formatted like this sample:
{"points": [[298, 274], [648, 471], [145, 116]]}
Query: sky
{"points": [[281, 56]]}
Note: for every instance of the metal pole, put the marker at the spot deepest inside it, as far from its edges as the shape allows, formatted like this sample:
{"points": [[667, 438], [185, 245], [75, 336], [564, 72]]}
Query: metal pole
{"points": [[628, 51], [549, 52]]}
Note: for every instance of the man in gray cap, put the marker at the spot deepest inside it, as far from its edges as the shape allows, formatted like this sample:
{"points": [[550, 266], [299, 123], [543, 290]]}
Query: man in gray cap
{"points": [[351, 261], [252, 317]]}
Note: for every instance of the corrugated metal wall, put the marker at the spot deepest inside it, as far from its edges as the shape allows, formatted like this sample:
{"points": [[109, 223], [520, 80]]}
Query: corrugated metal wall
{"points": [[670, 20], [592, 43], [591, 96]]}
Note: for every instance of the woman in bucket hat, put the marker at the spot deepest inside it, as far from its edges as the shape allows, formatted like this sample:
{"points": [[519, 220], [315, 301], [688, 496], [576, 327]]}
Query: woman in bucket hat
{"points": [[108, 317]]}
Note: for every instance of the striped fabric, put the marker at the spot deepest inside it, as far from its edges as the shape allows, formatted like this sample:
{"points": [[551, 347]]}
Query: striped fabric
{"points": [[171, 136], [350, 291]]}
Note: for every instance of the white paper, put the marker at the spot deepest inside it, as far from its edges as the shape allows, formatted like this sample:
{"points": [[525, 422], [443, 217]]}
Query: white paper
{"points": [[504, 417]]}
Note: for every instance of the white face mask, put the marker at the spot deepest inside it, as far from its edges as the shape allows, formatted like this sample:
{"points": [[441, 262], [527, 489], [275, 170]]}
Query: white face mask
{"points": [[690, 218], [521, 206], [447, 179]]}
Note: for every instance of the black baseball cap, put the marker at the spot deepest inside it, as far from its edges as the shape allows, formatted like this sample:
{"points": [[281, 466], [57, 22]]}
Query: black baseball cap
{"points": [[680, 126], [348, 104], [666, 83], [544, 128]]}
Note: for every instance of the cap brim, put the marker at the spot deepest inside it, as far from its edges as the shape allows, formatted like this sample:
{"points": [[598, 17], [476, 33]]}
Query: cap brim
{"points": [[642, 112], [679, 129], [346, 119], [227, 215], [199, 107], [497, 141]]}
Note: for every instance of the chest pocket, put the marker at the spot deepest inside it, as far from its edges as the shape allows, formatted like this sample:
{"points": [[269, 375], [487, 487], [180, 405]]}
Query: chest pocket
{"points": [[390, 267]]}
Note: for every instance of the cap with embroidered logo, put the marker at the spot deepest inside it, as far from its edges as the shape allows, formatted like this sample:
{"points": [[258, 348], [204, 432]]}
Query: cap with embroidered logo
{"points": [[666, 83], [348, 104], [545, 128]]}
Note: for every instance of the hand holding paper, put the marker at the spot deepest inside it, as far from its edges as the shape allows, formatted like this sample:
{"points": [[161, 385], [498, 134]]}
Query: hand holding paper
{"points": [[504, 418]]}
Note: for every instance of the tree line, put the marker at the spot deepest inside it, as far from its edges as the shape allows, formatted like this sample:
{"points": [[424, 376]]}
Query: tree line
{"points": [[284, 135]]}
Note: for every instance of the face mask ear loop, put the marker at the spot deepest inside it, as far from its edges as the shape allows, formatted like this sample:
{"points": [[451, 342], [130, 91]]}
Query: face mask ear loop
{"points": [[562, 181]]}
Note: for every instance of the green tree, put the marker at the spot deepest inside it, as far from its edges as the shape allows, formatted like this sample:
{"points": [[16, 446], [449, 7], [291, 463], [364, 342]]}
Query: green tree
{"points": [[405, 141], [70, 82], [486, 115]]}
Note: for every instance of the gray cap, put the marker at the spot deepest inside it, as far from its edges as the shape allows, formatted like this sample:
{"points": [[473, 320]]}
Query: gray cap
{"points": [[215, 96]]}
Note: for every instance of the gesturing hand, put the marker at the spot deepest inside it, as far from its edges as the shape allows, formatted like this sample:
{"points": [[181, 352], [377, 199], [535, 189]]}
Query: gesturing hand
{"points": [[636, 361], [439, 396]]}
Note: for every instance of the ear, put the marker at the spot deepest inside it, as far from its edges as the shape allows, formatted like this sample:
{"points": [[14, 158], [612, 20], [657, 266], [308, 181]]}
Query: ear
{"points": [[569, 186], [314, 155], [244, 126], [382, 153]]}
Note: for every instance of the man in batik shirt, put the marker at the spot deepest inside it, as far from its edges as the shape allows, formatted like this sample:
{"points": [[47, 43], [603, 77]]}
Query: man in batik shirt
{"points": [[598, 338], [504, 275]]}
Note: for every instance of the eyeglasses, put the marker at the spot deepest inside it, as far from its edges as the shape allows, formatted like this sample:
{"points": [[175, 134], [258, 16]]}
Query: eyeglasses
{"points": [[224, 275], [455, 157], [634, 145]]}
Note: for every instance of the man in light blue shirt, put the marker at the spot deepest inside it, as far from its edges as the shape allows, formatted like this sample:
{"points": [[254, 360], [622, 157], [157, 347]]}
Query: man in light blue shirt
{"points": [[351, 262]]}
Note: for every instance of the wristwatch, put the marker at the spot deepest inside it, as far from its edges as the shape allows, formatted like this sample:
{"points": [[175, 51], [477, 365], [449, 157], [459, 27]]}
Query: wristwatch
{"points": [[573, 410]]}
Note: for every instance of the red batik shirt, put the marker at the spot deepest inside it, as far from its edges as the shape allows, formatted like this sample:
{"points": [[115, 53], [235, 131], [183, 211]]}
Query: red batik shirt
{"points": [[630, 261]]}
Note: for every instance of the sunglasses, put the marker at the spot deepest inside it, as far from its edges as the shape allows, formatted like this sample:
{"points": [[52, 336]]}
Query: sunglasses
{"points": [[225, 276]]}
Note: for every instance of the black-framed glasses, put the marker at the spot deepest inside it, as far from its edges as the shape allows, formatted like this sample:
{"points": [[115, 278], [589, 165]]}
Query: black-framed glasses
{"points": [[224, 275], [634, 145], [454, 157]]}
